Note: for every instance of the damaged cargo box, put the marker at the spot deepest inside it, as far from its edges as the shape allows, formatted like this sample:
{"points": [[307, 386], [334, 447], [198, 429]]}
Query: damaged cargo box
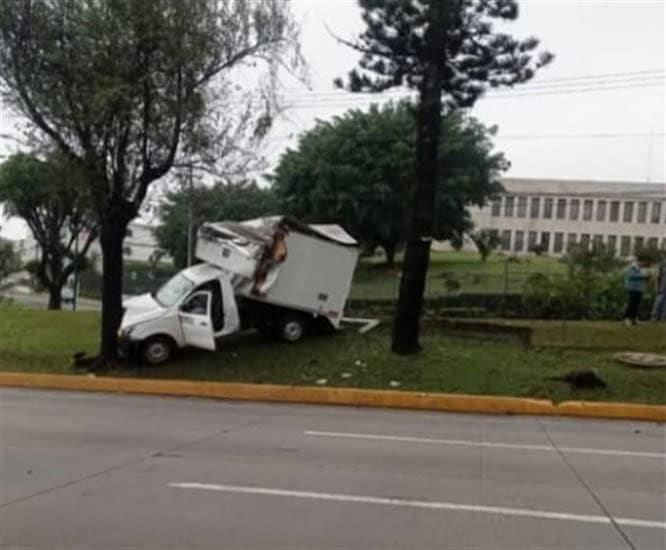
{"points": [[284, 262]]}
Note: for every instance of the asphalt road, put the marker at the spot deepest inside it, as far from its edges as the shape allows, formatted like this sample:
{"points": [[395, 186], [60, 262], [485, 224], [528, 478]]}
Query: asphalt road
{"points": [[94, 471]]}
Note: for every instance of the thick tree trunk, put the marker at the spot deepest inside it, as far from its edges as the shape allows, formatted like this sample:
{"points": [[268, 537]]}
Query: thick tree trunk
{"points": [[112, 235], [417, 254], [55, 296]]}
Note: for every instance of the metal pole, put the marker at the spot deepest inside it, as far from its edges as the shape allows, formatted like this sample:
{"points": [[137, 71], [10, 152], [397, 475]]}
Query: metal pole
{"points": [[189, 217], [75, 293]]}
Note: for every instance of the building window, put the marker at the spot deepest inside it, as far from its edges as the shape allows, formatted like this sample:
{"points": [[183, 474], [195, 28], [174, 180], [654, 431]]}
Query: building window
{"points": [[561, 209], [532, 240], [615, 211], [585, 241], [506, 240], [548, 209], [611, 243], [571, 241], [558, 245], [656, 212], [522, 207], [628, 212], [127, 251], [601, 211], [587, 210], [574, 210], [638, 244], [519, 241], [642, 212], [598, 241], [496, 208], [534, 208], [545, 240], [508, 207], [625, 246], [663, 243], [653, 242]]}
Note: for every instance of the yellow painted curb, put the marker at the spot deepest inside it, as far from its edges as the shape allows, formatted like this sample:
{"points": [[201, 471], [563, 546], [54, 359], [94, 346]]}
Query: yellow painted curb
{"points": [[337, 396]]}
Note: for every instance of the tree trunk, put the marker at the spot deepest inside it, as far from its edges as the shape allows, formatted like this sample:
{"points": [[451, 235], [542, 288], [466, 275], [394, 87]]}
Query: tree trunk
{"points": [[55, 296], [112, 235], [389, 252], [417, 254]]}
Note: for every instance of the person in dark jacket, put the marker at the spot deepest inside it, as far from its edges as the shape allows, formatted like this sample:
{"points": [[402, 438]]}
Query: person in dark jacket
{"points": [[659, 308], [634, 284]]}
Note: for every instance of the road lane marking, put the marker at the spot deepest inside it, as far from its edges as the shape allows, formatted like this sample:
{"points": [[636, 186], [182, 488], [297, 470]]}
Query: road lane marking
{"points": [[485, 444], [423, 504]]}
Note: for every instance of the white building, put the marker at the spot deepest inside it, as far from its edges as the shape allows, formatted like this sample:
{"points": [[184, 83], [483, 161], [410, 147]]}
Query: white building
{"points": [[559, 213]]}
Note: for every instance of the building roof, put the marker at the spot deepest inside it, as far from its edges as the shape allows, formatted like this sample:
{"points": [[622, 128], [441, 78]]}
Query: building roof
{"points": [[587, 188]]}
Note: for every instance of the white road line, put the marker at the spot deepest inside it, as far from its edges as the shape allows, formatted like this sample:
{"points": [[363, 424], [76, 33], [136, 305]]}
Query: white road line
{"points": [[423, 504], [486, 444]]}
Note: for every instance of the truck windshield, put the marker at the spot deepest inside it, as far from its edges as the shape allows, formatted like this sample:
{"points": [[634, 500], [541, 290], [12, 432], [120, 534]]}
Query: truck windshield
{"points": [[173, 290]]}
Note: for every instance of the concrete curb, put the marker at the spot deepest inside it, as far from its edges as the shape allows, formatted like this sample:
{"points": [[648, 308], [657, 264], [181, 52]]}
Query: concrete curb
{"points": [[337, 396]]}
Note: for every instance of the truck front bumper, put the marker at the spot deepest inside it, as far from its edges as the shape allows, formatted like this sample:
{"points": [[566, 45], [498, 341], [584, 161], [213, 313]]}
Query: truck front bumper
{"points": [[127, 348]]}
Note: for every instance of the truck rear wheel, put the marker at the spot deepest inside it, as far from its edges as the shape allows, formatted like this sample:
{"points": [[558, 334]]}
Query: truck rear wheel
{"points": [[291, 328], [156, 351]]}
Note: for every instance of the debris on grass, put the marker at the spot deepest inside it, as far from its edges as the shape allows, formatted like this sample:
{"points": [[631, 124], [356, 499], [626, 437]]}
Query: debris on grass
{"points": [[346, 375], [321, 381], [395, 384]]}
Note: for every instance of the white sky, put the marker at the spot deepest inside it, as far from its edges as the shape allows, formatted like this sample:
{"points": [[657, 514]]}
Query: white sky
{"points": [[537, 132]]}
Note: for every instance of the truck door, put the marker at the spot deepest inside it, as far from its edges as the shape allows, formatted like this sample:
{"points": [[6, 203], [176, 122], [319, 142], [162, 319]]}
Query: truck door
{"points": [[195, 320]]}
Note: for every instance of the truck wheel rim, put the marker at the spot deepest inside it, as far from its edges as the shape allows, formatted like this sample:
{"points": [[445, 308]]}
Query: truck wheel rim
{"points": [[293, 331], [157, 352]]}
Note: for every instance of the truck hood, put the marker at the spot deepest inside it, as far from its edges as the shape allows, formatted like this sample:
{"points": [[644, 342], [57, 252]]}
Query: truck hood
{"points": [[140, 309]]}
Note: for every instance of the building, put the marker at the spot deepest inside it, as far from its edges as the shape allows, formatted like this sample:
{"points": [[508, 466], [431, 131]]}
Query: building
{"points": [[559, 213]]}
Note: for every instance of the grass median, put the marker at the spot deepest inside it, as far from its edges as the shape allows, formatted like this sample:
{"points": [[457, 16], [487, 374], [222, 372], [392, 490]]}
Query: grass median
{"points": [[43, 341]]}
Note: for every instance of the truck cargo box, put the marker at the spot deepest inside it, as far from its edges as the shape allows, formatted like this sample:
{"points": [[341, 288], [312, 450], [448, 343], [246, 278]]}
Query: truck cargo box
{"points": [[284, 262]]}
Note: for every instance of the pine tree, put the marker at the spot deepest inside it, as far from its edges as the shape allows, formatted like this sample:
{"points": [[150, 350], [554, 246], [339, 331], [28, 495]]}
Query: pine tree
{"points": [[451, 52]]}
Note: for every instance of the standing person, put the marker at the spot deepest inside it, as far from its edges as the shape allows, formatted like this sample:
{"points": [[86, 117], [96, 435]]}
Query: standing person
{"points": [[634, 284], [659, 309]]}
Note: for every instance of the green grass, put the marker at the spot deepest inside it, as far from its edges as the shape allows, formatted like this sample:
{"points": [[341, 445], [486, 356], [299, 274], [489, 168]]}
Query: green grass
{"points": [[373, 280], [42, 341]]}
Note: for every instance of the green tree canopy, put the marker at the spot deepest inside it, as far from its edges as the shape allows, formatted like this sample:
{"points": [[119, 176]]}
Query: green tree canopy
{"points": [[222, 201], [358, 171], [50, 196]]}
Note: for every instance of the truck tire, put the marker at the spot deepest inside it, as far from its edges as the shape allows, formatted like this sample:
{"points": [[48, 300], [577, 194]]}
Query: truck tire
{"points": [[156, 350], [291, 327]]}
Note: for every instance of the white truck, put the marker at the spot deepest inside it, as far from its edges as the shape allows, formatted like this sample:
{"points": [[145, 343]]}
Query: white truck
{"points": [[276, 274]]}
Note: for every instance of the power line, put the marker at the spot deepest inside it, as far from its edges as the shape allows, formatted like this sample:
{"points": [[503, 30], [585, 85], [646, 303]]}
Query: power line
{"points": [[351, 100], [284, 137], [579, 81]]}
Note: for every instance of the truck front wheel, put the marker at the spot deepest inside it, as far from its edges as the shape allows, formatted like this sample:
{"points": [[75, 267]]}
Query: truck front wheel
{"points": [[292, 328], [156, 350]]}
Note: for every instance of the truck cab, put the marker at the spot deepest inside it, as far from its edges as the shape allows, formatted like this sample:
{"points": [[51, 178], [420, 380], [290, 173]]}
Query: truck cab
{"points": [[193, 308]]}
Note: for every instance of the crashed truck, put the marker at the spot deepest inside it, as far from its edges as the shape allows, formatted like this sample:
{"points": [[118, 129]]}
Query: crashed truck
{"points": [[277, 275]]}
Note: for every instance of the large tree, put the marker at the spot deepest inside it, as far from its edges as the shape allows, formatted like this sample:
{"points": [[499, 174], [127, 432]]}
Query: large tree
{"points": [[452, 53], [358, 170], [48, 195], [222, 201], [125, 87]]}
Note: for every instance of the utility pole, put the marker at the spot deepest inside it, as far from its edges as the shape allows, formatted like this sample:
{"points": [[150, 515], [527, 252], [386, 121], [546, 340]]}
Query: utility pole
{"points": [[649, 159], [75, 292], [190, 216]]}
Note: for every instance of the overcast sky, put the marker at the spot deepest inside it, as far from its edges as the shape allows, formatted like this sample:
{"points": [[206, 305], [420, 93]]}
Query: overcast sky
{"points": [[609, 134], [588, 37]]}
